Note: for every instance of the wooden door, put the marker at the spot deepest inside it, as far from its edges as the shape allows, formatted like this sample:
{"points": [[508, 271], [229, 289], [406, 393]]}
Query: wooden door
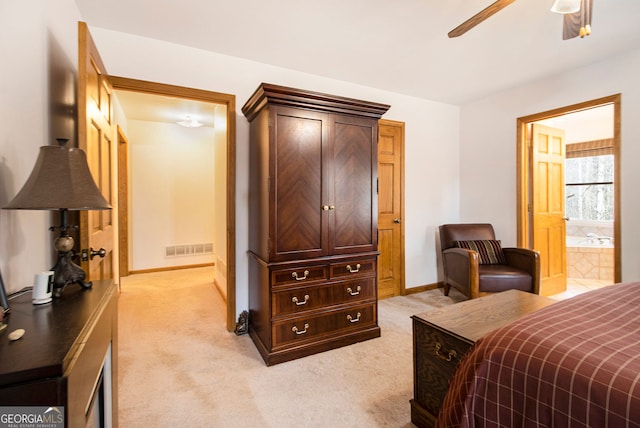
{"points": [[95, 136], [549, 228], [390, 208], [298, 184], [353, 206]]}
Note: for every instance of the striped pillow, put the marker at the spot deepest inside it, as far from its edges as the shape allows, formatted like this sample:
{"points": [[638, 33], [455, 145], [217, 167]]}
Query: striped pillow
{"points": [[490, 251]]}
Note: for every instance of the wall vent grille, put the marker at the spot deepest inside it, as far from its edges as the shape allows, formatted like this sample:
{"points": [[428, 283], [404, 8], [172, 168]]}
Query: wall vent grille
{"points": [[188, 249]]}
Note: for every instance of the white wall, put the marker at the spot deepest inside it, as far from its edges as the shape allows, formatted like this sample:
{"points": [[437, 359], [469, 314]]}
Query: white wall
{"points": [[38, 63], [593, 124], [172, 185], [431, 134], [488, 146]]}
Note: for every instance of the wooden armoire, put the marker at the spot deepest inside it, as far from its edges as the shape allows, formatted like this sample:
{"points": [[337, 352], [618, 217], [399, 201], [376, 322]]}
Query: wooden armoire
{"points": [[313, 215]]}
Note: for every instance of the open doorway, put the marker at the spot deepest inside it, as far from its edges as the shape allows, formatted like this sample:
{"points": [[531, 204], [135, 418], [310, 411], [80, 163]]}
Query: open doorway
{"points": [[202, 158], [588, 195], [584, 245]]}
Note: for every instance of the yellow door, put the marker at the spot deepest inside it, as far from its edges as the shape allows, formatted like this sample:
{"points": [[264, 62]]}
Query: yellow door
{"points": [[549, 229], [95, 136], [390, 208]]}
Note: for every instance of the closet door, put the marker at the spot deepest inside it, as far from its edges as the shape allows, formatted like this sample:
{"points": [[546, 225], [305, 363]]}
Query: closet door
{"points": [[298, 183], [354, 165]]}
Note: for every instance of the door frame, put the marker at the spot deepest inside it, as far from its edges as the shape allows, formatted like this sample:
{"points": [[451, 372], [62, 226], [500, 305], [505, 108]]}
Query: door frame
{"points": [[153, 88], [523, 181], [122, 144]]}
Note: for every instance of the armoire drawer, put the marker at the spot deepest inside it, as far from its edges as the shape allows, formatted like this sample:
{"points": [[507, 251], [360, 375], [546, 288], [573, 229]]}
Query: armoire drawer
{"points": [[302, 329], [291, 301], [353, 268], [299, 275]]}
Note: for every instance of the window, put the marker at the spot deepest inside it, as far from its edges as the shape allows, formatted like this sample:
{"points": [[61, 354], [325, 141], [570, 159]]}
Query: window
{"points": [[589, 187]]}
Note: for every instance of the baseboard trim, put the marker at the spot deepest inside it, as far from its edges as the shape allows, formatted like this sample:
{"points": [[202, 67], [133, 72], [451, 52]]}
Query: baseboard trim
{"points": [[421, 288], [220, 290], [169, 268]]}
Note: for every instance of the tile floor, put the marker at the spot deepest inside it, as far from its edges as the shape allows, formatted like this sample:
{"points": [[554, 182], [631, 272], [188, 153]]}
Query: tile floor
{"points": [[577, 286]]}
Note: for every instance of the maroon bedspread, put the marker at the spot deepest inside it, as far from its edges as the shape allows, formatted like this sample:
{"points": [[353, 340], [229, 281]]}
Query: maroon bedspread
{"points": [[575, 363]]}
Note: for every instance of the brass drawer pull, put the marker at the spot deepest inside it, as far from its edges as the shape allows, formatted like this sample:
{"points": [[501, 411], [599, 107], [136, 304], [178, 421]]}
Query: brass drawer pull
{"points": [[295, 275], [295, 329], [352, 319], [450, 355], [352, 270], [299, 303], [350, 291]]}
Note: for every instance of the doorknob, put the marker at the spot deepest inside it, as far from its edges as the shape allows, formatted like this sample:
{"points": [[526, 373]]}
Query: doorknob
{"points": [[100, 253], [91, 253], [396, 220]]}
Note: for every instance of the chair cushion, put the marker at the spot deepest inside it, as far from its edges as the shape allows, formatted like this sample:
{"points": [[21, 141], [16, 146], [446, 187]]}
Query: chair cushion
{"points": [[490, 250], [496, 278]]}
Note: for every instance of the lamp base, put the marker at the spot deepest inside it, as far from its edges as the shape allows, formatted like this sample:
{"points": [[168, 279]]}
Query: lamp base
{"points": [[67, 272]]}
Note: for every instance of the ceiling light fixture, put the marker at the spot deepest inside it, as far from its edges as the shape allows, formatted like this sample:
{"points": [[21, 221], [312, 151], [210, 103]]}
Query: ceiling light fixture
{"points": [[566, 6], [190, 122]]}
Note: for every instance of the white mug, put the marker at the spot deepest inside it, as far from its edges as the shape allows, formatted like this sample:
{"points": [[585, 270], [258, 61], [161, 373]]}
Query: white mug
{"points": [[42, 288]]}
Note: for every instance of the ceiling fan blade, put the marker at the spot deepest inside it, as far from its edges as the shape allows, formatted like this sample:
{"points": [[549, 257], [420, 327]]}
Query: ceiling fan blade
{"points": [[479, 17], [572, 23]]}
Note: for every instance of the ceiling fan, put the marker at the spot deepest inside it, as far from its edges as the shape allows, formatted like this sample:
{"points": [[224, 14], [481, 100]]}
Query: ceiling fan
{"points": [[576, 21]]}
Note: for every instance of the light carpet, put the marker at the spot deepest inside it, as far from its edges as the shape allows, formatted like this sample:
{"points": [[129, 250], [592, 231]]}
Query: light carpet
{"points": [[179, 367]]}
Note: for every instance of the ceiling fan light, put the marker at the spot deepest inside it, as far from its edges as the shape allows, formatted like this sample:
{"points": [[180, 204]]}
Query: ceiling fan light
{"points": [[566, 6], [190, 122]]}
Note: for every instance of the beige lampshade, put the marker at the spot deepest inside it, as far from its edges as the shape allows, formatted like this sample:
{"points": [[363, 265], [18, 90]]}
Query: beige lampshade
{"points": [[60, 179]]}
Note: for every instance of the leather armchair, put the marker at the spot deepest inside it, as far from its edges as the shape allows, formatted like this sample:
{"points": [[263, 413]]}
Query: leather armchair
{"points": [[463, 271]]}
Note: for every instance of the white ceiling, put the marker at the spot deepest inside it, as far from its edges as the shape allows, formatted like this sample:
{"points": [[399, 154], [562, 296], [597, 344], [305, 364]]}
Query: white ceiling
{"points": [[160, 108], [400, 46]]}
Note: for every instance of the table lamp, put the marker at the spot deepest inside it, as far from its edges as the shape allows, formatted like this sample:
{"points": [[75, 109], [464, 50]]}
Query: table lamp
{"points": [[61, 181]]}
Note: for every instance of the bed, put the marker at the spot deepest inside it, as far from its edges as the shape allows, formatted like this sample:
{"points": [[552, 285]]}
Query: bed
{"points": [[572, 364]]}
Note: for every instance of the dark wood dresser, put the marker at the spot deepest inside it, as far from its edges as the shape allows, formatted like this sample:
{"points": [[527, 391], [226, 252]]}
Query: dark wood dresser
{"points": [[443, 336], [60, 359], [313, 221]]}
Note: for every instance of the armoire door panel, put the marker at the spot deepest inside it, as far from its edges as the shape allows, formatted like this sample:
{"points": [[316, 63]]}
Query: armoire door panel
{"points": [[298, 186], [355, 213]]}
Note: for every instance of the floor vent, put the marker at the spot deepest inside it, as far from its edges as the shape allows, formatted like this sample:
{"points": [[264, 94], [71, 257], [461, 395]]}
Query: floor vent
{"points": [[188, 250]]}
